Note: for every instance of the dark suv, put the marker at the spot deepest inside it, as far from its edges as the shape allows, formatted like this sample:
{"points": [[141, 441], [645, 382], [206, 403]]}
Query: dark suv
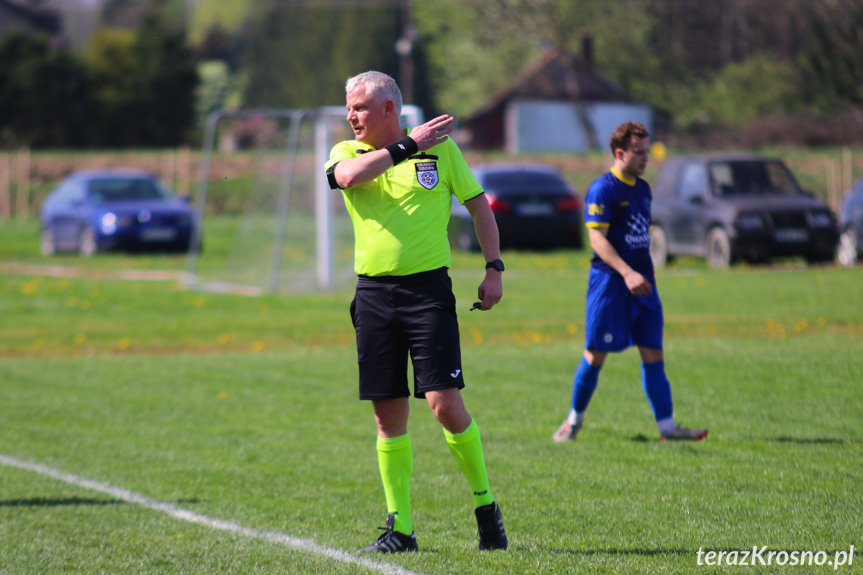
{"points": [[729, 207]]}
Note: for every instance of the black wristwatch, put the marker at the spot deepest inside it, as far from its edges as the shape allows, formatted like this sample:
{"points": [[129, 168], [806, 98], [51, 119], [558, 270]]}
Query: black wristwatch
{"points": [[496, 264]]}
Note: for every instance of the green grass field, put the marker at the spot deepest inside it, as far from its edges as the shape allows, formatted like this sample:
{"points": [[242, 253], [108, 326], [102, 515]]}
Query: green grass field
{"points": [[244, 410]]}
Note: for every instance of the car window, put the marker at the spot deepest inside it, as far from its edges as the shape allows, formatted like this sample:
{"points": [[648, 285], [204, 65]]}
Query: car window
{"points": [[751, 178], [693, 180], [520, 180], [123, 189]]}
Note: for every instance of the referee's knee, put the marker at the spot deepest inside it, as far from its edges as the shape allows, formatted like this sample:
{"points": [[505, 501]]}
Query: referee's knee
{"points": [[448, 408]]}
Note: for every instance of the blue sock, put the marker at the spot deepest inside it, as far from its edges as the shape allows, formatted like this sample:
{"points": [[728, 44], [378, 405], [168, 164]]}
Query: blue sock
{"points": [[657, 388], [584, 384]]}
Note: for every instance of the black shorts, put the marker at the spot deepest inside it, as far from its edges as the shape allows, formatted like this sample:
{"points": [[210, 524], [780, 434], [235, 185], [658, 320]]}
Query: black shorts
{"points": [[397, 316]]}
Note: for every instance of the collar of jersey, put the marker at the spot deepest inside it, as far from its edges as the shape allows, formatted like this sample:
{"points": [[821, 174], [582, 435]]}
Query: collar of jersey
{"points": [[368, 148], [622, 179]]}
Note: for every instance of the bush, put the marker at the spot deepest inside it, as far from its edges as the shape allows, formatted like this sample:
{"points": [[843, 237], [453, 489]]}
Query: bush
{"points": [[741, 93]]}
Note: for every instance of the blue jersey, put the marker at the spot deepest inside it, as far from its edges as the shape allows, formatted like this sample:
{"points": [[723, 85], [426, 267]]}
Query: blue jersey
{"points": [[624, 208]]}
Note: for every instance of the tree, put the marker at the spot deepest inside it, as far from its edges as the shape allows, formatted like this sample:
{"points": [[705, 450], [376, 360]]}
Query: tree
{"points": [[739, 94], [112, 70], [43, 94], [165, 79], [143, 83], [832, 61], [216, 89], [474, 49], [477, 47], [299, 55], [730, 60]]}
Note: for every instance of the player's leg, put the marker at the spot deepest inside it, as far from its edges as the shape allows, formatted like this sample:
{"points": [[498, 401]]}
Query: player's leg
{"points": [[463, 439], [605, 331], [433, 338], [465, 444], [382, 359], [448, 408], [657, 387], [583, 385], [395, 459], [647, 333]]}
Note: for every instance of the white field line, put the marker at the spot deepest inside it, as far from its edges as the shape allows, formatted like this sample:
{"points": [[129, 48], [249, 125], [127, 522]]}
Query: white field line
{"points": [[307, 545]]}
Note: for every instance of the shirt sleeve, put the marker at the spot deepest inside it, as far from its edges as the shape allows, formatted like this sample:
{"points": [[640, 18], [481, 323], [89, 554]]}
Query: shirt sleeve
{"points": [[597, 213], [342, 151], [462, 182]]}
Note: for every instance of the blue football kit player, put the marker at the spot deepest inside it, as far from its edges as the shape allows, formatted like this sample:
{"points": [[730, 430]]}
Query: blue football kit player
{"points": [[623, 305]]}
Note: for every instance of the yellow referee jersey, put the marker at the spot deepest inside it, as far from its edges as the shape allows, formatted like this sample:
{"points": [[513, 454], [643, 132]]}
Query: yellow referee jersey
{"points": [[400, 218]]}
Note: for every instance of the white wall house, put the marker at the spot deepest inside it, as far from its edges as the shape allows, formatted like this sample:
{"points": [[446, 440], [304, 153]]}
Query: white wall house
{"points": [[561, 103]]}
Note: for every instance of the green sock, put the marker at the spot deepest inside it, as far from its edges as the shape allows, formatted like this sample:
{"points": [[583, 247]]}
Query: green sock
{"points": [[396, 462], [466, 447]]}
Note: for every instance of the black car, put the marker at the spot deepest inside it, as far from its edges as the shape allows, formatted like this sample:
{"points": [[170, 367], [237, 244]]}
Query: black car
{"points": [[101, 210], [729, 207], [851, 225], [534, 205]]}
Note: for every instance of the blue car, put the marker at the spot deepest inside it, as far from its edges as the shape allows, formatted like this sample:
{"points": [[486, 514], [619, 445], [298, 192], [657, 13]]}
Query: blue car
{"points": [[95, 211]]}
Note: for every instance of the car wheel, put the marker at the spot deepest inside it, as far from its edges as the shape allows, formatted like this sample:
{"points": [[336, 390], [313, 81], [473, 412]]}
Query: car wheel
{"points": [[467, 237], [718, 249], [658, 247], [87, 242], [848, 252], [47, 245]]}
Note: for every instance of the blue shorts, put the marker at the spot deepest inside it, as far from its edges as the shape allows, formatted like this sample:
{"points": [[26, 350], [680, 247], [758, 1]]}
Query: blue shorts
{"points": [[616, 319]]}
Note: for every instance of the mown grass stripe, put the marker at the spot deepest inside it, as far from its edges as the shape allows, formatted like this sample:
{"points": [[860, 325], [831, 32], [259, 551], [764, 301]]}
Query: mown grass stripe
{"points": [[128, 496]]}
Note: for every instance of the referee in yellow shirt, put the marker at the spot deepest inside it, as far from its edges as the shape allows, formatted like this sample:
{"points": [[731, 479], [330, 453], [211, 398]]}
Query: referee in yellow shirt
{"points": [[398, 186]]}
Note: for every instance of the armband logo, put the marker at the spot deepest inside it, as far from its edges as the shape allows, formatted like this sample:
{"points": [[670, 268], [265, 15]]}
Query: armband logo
{"points": [[427, 174], [595, 209]]}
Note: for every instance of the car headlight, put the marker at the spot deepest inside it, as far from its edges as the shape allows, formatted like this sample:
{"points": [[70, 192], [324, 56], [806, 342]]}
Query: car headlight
{"points": [[109, 223], [821, 220], [749, 222]]}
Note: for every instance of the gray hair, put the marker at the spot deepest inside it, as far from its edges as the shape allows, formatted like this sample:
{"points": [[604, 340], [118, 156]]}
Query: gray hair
{"points": [[379, 87]]}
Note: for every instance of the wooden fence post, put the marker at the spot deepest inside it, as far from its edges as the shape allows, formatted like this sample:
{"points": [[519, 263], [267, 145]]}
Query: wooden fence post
{"points": [[22, 189], [184, 170], [5, 188], [168, 167], [830, 173]]}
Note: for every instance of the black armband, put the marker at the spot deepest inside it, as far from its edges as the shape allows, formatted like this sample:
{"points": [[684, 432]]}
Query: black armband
{"points": [[331, 177], [402, 149]]}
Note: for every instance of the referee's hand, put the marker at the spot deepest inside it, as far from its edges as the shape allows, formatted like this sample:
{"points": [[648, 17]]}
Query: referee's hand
{"points": [[490, 290], [433, 132]]}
